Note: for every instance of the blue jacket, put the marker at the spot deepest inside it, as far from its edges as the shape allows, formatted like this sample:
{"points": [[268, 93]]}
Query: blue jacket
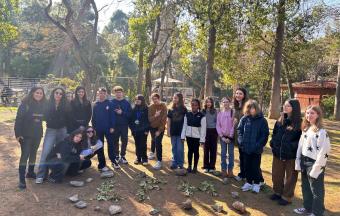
{"points": [[123, 119], [140, 116], [253, 134], [103, 118]]}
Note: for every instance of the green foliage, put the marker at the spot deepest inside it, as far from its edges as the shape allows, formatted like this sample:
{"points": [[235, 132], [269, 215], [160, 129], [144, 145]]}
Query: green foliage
{"points": [[106, 192], [187, 188], [8, 28], [146, 184], [328, 104], [68, 83]]}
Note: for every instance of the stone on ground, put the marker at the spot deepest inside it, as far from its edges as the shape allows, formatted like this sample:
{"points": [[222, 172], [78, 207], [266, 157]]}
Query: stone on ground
{"points": [[181, 172], [77, 183], [108, 174], [154, 211], [74, 198], [239, 206], [115, 209], [235, 195], [88, 180], [217, 207], [80, 204], [187, 205]]}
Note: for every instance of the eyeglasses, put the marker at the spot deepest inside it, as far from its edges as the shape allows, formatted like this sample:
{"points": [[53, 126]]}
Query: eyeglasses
{"points": [[58, 93], [89, 131], [225, 102]]}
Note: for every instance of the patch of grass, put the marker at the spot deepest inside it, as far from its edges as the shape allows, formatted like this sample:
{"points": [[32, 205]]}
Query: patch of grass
{"points": [[106, 192]]}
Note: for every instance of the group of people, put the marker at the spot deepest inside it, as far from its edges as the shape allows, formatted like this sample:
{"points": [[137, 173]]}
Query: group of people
{"points": [[70, 143]]}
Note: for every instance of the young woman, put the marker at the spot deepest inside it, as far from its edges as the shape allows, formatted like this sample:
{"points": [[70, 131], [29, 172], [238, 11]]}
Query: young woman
{"points": [[28, 131], [175, 125], [157, 113], [225, 130], [240, 98], [92, 146], [253, 134], [139, 125], [194, 130], [284, 144], [81, 110], [311, 157], [56, 116], [210, 145], [66, 158]]}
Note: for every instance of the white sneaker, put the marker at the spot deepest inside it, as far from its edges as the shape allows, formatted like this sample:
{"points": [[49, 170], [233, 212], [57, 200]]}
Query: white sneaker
{"points": [[238, 178], [39, 180], [158, 165], [300, 211], [104, 169], [123, 160], [256, 188], [247, 187], [211, 171], [206, 171], [151, 156]]}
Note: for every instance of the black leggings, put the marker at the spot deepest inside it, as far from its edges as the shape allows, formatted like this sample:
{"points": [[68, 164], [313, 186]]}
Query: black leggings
{"points": [[141, 143], [252, 168], [193, 150], [29, 147]]}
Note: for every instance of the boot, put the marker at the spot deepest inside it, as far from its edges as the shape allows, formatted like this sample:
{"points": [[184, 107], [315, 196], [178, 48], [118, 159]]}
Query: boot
{"points": [[22, 182], [31, 173]]}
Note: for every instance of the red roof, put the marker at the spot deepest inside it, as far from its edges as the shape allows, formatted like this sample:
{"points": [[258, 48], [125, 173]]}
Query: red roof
{"points": [[313, 85]]}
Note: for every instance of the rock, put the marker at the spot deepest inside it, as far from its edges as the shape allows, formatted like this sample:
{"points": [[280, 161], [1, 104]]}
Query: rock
{"points": [[74, 198], [239, 206], [217, 207], [97, 208], [187, 205], [108, 174], [80, 204], [154, 211], [235, 195], [225, 181], [89, 180], [181, 172], [115, 209], [77, 183]]}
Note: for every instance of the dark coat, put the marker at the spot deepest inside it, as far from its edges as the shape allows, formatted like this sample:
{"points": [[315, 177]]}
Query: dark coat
{"points": [[125, 106], [103, 118], [81, 114], [140, 114], [284, 142], [253, 134], [28, 122], [69, 151], [57, 118]]}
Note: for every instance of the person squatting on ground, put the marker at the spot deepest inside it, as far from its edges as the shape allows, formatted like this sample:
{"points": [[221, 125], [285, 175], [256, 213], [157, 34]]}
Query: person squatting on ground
{"points": [[57, 117], [121, 111], [194, 130], [210, 145], [28, 131], [139, 126], [174, 129], [225, 130], [284, 144], [157, 115], [311, 158], [253, 135]]}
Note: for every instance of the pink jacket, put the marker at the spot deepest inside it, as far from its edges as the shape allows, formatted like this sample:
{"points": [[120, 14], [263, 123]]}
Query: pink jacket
{"points": [[225, 124]]}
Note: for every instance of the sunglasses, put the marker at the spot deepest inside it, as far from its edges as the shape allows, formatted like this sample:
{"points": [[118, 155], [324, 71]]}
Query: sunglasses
{"points": [[58, 93], [89, 131]]}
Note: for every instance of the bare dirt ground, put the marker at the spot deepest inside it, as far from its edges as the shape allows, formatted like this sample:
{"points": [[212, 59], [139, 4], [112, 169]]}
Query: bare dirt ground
{"points": [[51, 199]]}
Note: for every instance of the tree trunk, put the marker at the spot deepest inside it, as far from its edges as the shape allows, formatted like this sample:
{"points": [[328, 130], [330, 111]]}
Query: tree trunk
{"points": [[275, 103], [337, 95], [140, 70], [209, 74]]}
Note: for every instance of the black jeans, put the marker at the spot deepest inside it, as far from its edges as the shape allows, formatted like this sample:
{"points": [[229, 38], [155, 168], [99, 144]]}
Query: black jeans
{"points": [[121, 132], [60, 169], [101, 156], [29, 147], [156, 143], [210, 149], [313, 190], [193, 150], [242, 173], [252, 168], [141, 145]]}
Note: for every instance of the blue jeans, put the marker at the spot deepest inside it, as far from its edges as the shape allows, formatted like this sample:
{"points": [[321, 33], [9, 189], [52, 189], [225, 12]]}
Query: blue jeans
{"points": [[52, 137], [224, 165], [177, 151]]}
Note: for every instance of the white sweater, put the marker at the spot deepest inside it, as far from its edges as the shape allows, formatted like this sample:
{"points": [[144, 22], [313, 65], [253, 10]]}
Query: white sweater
{"points": [[315, 145], [194, 132]]}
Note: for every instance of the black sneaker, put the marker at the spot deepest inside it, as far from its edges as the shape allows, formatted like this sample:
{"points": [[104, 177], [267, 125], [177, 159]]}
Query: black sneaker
{"points": [[117, 159], [123, 160], [115, 165], [275, 197], [283, 202], [194, 170], [31, 175], [189, 169]]}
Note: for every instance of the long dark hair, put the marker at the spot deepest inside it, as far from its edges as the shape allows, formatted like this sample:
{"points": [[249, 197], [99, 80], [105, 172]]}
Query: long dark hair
{"points": [[212, 109], [295, 117], [29, 99], [142, 99], [198, 102], [180, 101], [93, 139], [76, 97], [63, 102], [74, 133], [236, 103]]}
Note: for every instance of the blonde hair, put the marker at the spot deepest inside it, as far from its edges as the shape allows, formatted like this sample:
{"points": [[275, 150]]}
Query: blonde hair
{"points": [[319, 121], [251, 104]]}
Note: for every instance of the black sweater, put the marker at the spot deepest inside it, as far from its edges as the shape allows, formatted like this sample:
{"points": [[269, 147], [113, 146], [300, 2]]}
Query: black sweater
{"points": [[28, 122], [139, 122], [80, 114], [57, 118], [284, 142], [69, 151]]}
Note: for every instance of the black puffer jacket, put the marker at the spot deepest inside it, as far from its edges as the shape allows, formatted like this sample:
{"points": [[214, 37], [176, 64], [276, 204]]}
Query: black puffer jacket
{"points": [[284, 142]]}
